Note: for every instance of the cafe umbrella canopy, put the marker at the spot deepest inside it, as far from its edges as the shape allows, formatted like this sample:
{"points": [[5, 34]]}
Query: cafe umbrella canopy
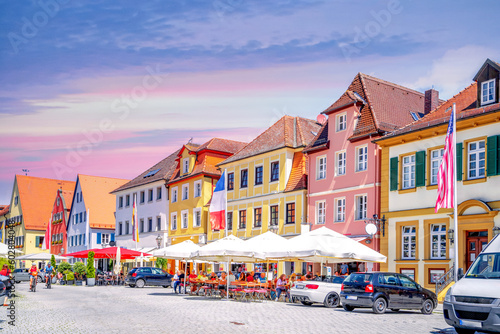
{"points": [[108, 253]]}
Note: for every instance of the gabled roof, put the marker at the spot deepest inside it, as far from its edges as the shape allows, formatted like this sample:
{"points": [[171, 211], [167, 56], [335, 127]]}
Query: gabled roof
{"points": [[67, 198], [487, 63], [320, 141], [4, 209], [385, 106], [288, 131], [164, 170], [298, 175], [221, 145], [466, 106], [99, 201], [36, 197]]}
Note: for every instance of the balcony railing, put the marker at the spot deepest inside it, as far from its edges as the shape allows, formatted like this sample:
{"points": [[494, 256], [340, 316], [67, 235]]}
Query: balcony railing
{"points": [[443, 281]]}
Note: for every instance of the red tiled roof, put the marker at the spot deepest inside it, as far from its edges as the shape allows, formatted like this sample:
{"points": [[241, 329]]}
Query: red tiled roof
{"points": [[222, 145], [4, 209], [67, 198], [36, 196], [298, 175], [319, 142], [286, 132]]}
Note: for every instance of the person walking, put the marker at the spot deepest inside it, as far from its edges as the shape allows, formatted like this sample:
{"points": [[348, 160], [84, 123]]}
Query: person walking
{"points": [[8, 285], [281, 286]]}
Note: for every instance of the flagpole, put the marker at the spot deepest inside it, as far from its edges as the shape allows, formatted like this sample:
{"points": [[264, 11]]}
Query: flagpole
{"points": [[225, 209], [455, 215]]}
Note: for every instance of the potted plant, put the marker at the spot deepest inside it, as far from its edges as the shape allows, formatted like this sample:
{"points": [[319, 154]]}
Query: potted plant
{"points": [[90, 269], [70, 277], [79, 269], [62, 268]]}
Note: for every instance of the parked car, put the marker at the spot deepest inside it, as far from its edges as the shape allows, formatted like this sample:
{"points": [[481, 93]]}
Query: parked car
{"points": [[381, 290], [23, 275], [139, 277], [326, 292]]}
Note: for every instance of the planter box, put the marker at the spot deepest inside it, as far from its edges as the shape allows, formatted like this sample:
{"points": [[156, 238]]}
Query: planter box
{"points": [[62, 282], [91, 281], [79, 283], [70, 282]]}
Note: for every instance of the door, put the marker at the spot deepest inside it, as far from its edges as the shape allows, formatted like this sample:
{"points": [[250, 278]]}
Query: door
{"points": [[475, 242], [410, 295], [159, 277], [389, 285]]}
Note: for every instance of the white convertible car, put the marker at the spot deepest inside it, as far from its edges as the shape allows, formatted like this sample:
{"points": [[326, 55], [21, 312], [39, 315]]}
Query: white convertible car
{"points": [[326, 292]]}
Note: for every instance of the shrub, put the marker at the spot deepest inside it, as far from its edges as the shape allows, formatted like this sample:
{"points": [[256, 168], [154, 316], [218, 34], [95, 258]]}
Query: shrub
{"points": [[63, 266], [79, 269], [90, 265], [53, 261], [69, 275]]}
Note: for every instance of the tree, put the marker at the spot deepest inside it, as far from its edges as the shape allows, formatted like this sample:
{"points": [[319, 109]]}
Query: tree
{"points": [[90, 265], [53, 261], [161, 263], [63, 266]]}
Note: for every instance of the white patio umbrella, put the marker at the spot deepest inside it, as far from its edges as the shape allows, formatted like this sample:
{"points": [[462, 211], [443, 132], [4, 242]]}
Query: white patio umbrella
{"points": [[41, 256], [117, 267]]}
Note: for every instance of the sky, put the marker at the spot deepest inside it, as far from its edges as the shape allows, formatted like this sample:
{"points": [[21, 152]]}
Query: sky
{"points": [[110, 88]]}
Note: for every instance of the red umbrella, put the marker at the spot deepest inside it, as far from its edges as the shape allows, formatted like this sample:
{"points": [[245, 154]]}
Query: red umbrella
{"points": [[81, 254], [108, 253]]}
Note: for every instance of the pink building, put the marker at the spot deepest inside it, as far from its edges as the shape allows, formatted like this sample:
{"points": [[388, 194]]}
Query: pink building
{"points": [[344, 163]]}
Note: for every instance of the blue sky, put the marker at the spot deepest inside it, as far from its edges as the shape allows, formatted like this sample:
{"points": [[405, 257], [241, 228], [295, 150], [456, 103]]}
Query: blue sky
{"points": [[110, 88]]}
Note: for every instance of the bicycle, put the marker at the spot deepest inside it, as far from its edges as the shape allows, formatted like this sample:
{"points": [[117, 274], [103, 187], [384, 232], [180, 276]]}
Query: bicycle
{"points": [[34, 280], [48, 283]]}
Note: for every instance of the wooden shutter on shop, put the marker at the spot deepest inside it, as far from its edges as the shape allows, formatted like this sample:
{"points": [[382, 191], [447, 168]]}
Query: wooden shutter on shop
{"points": [[459, 161], [394, 167], [420, 169], [493, 156]]}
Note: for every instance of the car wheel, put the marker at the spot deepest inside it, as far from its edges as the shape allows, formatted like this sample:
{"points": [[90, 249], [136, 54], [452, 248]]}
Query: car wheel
{"points": [[166, 286], [131, 285], [332, 300], [427, 306], [39, 279], [306, 303], [464, 331], [17, 282], [394, 309], [348, 308], [140, 283], [379, 305]]}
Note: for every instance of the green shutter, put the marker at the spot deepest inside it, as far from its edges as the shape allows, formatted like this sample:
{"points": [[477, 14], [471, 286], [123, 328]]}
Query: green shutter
{"points": [[394, 173], [459, 161], [37, 241], [493, 156], [420, 169]]}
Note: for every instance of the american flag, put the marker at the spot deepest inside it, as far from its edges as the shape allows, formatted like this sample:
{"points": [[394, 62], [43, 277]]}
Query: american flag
{"points": [[446, 181]]}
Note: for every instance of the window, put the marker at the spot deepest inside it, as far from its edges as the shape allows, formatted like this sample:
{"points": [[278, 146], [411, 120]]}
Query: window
{"points": [[158, 193], [150, 224], [476, 159], [16, 200], [243, 219], [341, 163], [197, 217], [104, 238], [185, 166], [321, 168], [409, 242], [126, 227], [340, 209], [438, 241], [436, 156], [185, 191], [127, 201], [142, 197], [230, 181], [158, 223], [257, 217], [488, 91], [244, 178], [184, 220], [320, 212], [274, 215], [361, 158], [361, 207], [197, 189], [258, 175], [173, 221], [141, 226], [80, 217], [150, 195], [409, 171], [174, 195], [341, 122], [229, 221], [290, 213], [275, 171], [120, 202], [120, 228]]}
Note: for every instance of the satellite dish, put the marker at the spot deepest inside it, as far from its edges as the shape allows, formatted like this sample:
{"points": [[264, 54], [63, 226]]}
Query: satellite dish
{"points": [[112, 243], [371, 228], [321, 119]]}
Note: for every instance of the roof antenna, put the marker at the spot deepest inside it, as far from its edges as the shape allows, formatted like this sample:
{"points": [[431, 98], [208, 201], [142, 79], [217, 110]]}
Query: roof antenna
{"points": [[190, 140]]}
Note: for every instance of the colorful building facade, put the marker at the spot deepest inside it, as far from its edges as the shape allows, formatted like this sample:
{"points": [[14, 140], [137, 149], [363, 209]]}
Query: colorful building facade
{"points": [[60, 215]]}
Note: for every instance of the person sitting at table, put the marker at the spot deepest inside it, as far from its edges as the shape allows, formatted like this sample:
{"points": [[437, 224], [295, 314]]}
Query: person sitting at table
{"points": [[177, 280], [192, 280], [293, 279], [230, 278], [222, 284], [202, 276], [213, 276], [242, 277], [281, 286], [250, 277], [263, 278]]}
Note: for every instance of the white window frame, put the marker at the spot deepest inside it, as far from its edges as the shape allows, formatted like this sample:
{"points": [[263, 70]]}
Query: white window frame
{"points": [[436, 157], [127, 201], [408, 234], [321, 212], [173, 221], [490, 86], [184, 222], [175, 194], [120, 202], [321, 167], [341, 122], [185, 192], [142, 197], [261, 217], [361, 202], [151, 195], [339, 210], [361, 158], [159, 194], [195, 212], [185, 165], [476, 153], [197, 184], [105, 238], [440, 242], [340, 163], [408, 171], [271, 171]]}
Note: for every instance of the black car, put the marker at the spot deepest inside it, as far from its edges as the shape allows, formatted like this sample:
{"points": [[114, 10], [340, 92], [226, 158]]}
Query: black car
{"points": [[139, 277], [380, 291]]}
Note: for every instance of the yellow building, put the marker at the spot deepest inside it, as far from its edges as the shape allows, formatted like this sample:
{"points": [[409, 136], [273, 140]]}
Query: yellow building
{"points": [[31, 207], [4, 215], [267, 183], [418, 241]]}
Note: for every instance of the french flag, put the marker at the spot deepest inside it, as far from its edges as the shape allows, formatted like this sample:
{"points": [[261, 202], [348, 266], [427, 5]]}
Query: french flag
{"points": [[218, 204]]}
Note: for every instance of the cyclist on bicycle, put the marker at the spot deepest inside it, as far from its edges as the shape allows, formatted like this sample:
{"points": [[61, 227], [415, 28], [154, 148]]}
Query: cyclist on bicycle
{"points": [[33, 274], [48, 274]]}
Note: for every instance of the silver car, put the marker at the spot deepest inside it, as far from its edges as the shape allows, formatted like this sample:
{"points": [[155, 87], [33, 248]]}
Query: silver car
{"points": [[327, 292], [23, 275]]}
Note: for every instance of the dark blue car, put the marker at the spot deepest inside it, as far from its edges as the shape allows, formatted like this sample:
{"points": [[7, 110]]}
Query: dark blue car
{"points": [[139, 277]]}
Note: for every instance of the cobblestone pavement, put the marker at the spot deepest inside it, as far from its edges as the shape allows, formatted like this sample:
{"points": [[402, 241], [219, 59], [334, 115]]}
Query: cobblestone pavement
{"points": [[111, 309]]}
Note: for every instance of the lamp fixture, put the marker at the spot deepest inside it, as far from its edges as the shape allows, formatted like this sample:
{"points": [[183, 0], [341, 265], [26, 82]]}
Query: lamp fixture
{"points": [[496, 230], [159, 239], [451, 236]]}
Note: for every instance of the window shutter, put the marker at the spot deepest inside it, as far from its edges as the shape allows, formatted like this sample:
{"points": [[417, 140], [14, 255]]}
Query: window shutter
{"points": [[459, 161], [394, 174], [98, 238], [420, 169], [37, 241], [112, 237], [493, 156]]}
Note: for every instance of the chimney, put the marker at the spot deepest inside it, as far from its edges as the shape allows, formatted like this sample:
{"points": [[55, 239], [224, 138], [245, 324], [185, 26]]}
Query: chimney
{"points": [[431, 100]]}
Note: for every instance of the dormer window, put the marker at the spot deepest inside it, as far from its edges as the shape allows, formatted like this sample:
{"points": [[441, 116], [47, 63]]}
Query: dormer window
{"points": [[488, 91]]}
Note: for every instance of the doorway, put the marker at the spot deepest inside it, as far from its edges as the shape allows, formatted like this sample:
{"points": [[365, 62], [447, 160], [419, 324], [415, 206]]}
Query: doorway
{"points": [[475, 242]]}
